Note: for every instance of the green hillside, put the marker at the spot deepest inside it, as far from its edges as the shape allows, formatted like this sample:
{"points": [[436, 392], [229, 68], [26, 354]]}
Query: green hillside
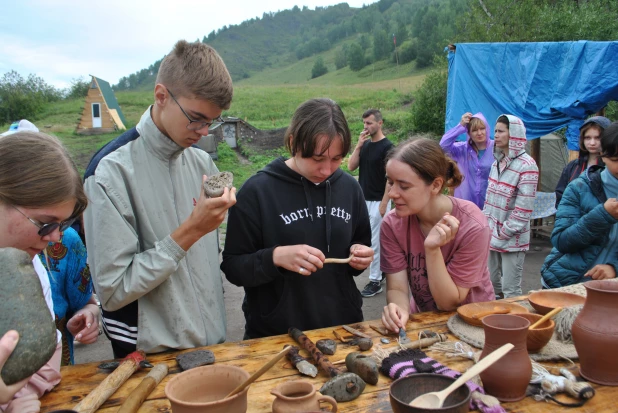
{"points": [[281, 47]]}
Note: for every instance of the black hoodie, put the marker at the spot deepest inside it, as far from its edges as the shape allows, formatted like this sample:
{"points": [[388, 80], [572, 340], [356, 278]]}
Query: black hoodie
{"points": [[278, 207]]}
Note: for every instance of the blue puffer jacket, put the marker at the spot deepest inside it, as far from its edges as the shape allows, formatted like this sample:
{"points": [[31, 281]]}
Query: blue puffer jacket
{"points": [[581, 231]]}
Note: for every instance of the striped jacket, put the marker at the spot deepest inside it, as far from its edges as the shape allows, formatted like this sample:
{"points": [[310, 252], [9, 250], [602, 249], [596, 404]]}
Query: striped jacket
{"points": [[510, 194]]}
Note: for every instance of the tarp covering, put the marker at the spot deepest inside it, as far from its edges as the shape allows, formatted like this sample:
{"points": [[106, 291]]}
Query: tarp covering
{"points": [[548, 85]]}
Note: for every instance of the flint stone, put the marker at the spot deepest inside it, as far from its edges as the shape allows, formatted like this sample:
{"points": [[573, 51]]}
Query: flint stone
{"points": [[195, 358], [327, 346], [364, 366], [23, 308], [215, 184], [363, 343]]}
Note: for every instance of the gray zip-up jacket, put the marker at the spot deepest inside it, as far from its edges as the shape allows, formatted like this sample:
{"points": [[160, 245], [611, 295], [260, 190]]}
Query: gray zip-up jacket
{"points": [[141, 187]]}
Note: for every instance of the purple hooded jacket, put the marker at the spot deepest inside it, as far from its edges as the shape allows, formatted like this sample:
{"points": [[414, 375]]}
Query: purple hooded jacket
{"points": [[475, 170]]}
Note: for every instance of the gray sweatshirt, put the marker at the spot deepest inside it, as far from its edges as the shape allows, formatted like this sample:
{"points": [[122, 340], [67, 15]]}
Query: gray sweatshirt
{"points": [[141, 187]]}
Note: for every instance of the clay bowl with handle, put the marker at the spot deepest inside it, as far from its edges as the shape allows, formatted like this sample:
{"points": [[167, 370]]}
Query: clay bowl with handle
{"points": [[406, 389], [539, 336], [547, 300]]}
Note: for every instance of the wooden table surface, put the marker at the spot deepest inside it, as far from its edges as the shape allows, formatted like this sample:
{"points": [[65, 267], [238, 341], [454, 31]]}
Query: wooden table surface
{"points": [[78, 381]]}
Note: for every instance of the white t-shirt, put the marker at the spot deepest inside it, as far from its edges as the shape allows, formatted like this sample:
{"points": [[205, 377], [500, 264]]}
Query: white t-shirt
{"points": [[47, 293]]}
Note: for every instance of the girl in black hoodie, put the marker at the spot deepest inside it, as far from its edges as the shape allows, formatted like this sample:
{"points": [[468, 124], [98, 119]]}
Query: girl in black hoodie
{"points": [[288, 218]]}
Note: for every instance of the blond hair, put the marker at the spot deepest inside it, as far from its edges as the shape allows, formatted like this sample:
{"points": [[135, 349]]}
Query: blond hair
{"points": [[195, 70], [36, 171]]}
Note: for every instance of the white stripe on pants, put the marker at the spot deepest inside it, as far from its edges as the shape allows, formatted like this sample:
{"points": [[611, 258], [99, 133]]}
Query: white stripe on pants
{"points": [[506, 269], [375, 219]]}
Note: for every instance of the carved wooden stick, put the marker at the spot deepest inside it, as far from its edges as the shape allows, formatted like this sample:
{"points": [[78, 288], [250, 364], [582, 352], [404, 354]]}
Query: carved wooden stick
{"points": [[134, 400]]}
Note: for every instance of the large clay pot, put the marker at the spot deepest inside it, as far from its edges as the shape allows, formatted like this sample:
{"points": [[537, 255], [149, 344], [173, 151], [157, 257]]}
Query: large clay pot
{"points": [[203, 390], [508, 378], [595, 333], [24, 309], [299, 396]]}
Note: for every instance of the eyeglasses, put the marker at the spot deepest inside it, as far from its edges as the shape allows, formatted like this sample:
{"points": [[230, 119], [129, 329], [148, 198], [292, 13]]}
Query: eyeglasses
{"points": [[196, 125], [46, 229]]}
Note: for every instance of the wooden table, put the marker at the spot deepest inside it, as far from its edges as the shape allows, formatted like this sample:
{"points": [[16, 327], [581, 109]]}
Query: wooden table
{"points": [[78, 381]]}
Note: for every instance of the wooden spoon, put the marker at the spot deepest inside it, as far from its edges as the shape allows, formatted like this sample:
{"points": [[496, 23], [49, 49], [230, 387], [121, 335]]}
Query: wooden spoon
{"points": [[435, 399], [261, 371], [496, 310], [545, 318]]}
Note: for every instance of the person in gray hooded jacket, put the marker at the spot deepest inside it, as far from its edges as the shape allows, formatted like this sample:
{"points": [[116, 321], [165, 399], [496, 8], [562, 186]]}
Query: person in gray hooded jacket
{"points": [[150, 230]]}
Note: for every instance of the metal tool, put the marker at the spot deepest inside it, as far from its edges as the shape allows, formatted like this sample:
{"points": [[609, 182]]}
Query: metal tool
{"points": [[355, 331], [342, 387], [301, 364]]}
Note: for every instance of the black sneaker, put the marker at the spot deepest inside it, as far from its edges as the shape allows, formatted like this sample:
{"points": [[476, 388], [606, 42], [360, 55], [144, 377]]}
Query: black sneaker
{"points": [[372, 289]]}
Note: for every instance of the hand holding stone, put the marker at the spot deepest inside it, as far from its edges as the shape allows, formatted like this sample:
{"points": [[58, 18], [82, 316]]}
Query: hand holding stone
{"points": [[7, 345]]}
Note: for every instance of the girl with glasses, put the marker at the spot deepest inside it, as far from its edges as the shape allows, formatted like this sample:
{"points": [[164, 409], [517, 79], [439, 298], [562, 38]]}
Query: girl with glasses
{"points": [[40, 193]]}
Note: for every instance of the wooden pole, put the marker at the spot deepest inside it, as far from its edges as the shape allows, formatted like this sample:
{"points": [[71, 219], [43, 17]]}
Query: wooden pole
{"points": [[535, 152]]}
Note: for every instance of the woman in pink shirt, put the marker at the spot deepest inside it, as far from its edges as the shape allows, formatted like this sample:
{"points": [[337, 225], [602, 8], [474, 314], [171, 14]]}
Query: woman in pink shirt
{"points": [[434, 246]]}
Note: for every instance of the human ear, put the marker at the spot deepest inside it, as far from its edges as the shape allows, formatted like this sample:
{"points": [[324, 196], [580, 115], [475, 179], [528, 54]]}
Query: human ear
{"points": [[160, 94]]}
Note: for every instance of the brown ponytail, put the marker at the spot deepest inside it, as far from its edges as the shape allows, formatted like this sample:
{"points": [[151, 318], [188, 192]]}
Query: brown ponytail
{"points": [[428, 160]]}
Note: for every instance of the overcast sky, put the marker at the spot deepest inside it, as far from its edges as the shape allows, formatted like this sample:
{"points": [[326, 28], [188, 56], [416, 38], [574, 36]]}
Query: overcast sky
{"points": [[60, 40]]}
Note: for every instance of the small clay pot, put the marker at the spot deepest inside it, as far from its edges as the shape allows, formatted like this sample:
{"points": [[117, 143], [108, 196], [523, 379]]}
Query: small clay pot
{"points": [[507, 379], [202, 390], [539, 336], [299, 396]]}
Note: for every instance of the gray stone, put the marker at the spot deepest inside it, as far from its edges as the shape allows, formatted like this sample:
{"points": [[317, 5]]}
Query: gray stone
{"points": [[215, 184], [195, 358], [24, 309], [327, 346]]}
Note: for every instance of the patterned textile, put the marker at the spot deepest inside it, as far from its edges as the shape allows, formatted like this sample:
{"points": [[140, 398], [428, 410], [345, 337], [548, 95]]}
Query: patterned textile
{"points": [[411, 361], [544, 205], [71, 284]]}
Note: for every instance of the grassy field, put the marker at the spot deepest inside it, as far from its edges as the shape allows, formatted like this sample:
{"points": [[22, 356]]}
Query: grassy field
{"points": [[265, 107]]}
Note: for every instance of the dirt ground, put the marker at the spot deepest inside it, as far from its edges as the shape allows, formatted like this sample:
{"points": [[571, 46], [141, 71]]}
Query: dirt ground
{"points": [[372, 307]]}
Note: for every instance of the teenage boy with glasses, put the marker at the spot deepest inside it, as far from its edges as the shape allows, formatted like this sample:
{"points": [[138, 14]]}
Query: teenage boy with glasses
{"points": [[150, 230]]}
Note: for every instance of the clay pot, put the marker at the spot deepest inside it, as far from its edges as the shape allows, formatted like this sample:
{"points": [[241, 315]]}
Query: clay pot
{"points": [[202, 390], [539, 336], [508, 378], [405, 389], [595, 333], [299, 396]]}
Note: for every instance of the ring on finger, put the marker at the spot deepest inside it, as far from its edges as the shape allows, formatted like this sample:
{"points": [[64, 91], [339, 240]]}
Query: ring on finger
{"points": [[302, 270]]}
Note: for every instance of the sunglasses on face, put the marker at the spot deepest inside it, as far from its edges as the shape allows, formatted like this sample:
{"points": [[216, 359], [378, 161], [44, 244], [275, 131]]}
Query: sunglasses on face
{"points": [[46, 229]]}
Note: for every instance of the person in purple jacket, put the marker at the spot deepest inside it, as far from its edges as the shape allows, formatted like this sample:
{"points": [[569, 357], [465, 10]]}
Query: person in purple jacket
{"points": [[474, 156]]}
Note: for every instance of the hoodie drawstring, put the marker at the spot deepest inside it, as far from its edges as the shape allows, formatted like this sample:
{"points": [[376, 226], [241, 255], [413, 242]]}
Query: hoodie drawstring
{"points": [[307, 196], [328, 226]]}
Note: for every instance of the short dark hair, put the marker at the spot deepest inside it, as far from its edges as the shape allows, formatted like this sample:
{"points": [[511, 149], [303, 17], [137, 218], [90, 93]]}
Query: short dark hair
{"points": [[313, 118], [376, 114], [609, 141], [505, 120]]}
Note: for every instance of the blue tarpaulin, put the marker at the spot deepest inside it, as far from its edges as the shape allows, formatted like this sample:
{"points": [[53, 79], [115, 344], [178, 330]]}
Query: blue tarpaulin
{"points": [[548, 85]]}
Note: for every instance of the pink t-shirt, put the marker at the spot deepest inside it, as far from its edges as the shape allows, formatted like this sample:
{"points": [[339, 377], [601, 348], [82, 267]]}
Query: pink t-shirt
{"points": [[465, 256]]}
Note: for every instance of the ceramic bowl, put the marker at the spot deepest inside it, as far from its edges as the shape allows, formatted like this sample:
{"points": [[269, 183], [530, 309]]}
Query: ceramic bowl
{"points": [[202, 390], [539, 336], [473, 313], [406, 389], [546, 300]]}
